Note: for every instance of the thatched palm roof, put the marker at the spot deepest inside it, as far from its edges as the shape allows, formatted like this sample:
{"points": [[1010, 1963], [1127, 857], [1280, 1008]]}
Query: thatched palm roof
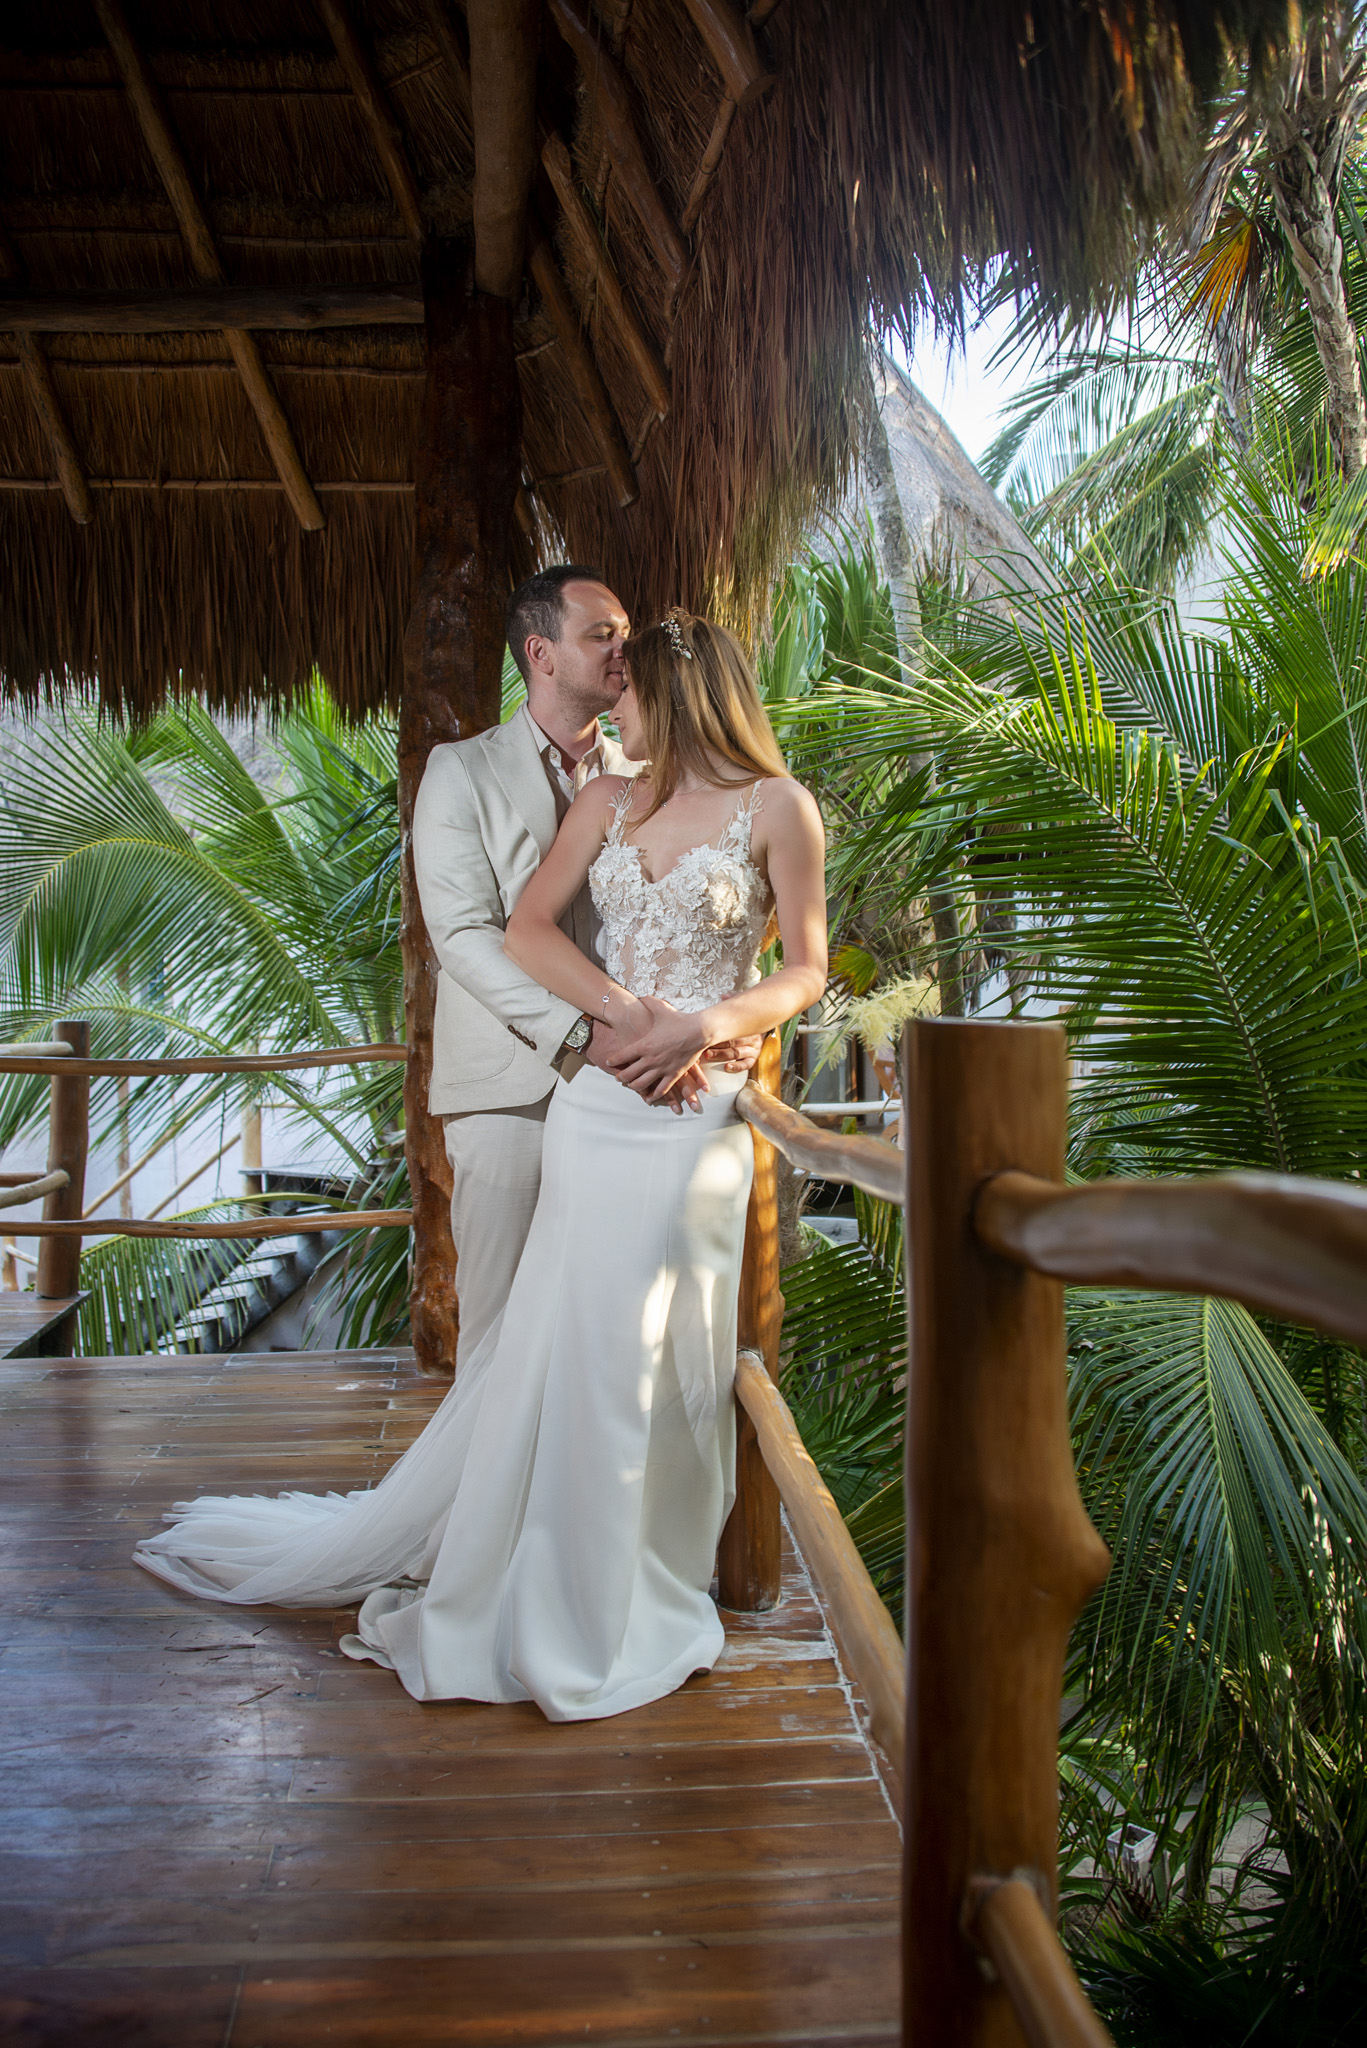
{"points": [[729, 275]]}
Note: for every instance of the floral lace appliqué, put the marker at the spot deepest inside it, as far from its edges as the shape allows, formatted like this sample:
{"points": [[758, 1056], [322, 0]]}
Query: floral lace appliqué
{"points": [[692, 938]]}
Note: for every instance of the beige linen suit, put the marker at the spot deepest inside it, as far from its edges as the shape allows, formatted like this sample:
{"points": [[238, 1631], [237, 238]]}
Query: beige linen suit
{"points": [[485, 815]]}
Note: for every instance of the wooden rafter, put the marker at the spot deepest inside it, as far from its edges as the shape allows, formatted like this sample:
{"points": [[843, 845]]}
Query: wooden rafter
{"points": [[707, 169], [503, 46], [731, 46], [146, 101], [371, 98], [452, 56], [646, 362], [588, 382], [613, 105], [185, 310], [71, 477]]}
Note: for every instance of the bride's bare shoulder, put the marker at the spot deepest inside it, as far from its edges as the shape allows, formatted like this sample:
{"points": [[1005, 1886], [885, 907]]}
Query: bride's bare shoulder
{"points": [[788, 806]]}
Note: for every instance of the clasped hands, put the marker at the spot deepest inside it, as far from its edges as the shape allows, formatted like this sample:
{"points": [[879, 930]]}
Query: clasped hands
{"points": [[658, 1052]]}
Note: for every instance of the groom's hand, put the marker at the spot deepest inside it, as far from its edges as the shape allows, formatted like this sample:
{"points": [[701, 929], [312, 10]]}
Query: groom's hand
{"points": [[606, 1045], [738, 1055]]}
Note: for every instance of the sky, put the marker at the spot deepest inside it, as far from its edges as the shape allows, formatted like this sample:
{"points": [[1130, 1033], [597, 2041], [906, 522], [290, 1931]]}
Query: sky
{"points": [[959, 384]]}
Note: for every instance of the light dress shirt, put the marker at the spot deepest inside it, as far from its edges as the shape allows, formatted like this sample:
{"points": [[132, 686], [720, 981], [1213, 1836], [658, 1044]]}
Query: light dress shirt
{"points": [[567, 778]]}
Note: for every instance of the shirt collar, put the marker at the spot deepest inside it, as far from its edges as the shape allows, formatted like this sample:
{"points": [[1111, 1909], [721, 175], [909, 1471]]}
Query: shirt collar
{"points": [[546, 746]]}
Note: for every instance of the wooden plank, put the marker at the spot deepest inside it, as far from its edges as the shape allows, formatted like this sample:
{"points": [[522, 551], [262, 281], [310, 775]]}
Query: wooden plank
{"points": [[212, 1809], [25, 1320]]}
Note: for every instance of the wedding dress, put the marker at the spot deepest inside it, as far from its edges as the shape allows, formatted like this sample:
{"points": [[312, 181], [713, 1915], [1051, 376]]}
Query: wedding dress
{"points": [[551, 1534]]}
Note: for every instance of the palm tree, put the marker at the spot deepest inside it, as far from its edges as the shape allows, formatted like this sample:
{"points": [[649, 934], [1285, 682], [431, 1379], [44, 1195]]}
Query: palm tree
{"points": [[1241, 338], [151, 883], [1175, 826]]}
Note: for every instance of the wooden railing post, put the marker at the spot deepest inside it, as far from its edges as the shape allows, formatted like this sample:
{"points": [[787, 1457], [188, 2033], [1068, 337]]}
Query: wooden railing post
{"points": [[749, 1561], [59, 1258], [1000, 1553]]}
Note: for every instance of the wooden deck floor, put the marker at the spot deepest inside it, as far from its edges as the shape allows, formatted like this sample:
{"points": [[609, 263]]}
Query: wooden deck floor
{"points": [[219, 1833]]}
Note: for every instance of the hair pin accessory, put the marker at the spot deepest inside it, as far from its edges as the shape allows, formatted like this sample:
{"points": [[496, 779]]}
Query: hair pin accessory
{"points": [[673, 625]]}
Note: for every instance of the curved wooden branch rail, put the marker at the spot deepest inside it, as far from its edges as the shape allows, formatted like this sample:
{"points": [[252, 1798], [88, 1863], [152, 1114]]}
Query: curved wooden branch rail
{"points": [[869, 1642], [868, 1163], [30, 1190], [1012, 1928], [1288, 1247], [24, 1062], [245, 1226]]}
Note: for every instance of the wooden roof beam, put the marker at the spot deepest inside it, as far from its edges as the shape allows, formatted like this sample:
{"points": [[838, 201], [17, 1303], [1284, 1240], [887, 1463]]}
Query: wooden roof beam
{"points": [[185, 310], [645, 361], [370, 96], [149, 108], [504, 35], [731, 46], [613, 107], [452, 55], [588, 382], [71, 475]]}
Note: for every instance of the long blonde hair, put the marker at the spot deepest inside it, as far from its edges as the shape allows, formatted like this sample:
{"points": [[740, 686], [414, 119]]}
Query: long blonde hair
{"points": [[698, 699]]}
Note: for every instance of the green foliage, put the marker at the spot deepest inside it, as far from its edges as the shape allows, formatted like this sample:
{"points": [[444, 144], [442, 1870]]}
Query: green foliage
{"points": [[1161, 835], [150, 882]]}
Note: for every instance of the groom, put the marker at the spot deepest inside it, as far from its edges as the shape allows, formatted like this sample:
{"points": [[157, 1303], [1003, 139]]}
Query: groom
{"points": [[486, 813]]}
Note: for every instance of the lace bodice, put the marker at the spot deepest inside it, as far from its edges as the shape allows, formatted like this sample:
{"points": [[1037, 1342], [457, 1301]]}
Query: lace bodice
{"points": [[693, 937]]}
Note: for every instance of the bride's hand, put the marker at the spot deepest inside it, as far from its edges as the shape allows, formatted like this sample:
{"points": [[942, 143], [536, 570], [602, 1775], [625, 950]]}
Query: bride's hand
{"points": [[662, 1047]]}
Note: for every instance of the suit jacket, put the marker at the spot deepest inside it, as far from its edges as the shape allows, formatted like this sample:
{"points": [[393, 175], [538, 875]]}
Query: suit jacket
{"points": [[483, 820]]}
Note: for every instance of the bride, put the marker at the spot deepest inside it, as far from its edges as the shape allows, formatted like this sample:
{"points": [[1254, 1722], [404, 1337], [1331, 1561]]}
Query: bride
{"points": [[551, 1535]]}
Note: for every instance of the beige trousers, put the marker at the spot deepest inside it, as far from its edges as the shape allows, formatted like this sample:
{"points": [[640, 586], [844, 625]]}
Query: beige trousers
{"points": [[495, 1157]]}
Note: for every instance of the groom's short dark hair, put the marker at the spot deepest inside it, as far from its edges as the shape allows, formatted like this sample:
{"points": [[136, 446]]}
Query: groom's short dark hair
{"points": [[538, 606]]}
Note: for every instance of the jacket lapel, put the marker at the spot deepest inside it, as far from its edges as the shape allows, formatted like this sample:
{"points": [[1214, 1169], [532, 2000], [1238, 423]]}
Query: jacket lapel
{"points": [[517, 767]]}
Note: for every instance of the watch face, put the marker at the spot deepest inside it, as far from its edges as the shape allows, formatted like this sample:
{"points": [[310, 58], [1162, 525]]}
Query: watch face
{"points": [[579, 1035]]}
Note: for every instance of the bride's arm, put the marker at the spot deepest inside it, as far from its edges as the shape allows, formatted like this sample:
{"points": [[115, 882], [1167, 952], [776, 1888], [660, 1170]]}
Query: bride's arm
{"points": [[791, 841], [533, 939]]}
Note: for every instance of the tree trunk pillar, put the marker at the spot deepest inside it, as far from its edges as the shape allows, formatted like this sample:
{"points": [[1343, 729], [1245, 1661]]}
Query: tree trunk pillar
{"points": [[466, 475], [750, 1557]]}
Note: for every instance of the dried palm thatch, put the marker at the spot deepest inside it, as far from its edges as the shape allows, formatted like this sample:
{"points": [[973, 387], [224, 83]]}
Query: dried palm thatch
{"points": [[899, 148]]}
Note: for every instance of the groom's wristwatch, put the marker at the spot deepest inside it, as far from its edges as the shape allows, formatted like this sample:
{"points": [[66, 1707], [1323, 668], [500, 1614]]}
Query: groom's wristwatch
{"points": [[571, 1054]]}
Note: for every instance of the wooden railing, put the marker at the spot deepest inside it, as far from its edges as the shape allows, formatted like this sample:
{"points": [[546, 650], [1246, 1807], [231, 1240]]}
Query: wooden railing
{"points": [[63, 1225], [1001, 1556]]}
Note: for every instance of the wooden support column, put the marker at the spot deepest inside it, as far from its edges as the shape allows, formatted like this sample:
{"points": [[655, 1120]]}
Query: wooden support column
{"points": [[1000, 1554], [749, 1561], [150, 111], [466, 477], [504, 35], [59, 1258]]}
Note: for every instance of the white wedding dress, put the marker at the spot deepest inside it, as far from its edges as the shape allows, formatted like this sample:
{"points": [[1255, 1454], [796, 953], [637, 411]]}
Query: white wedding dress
{"points": [[551, 1534]]}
